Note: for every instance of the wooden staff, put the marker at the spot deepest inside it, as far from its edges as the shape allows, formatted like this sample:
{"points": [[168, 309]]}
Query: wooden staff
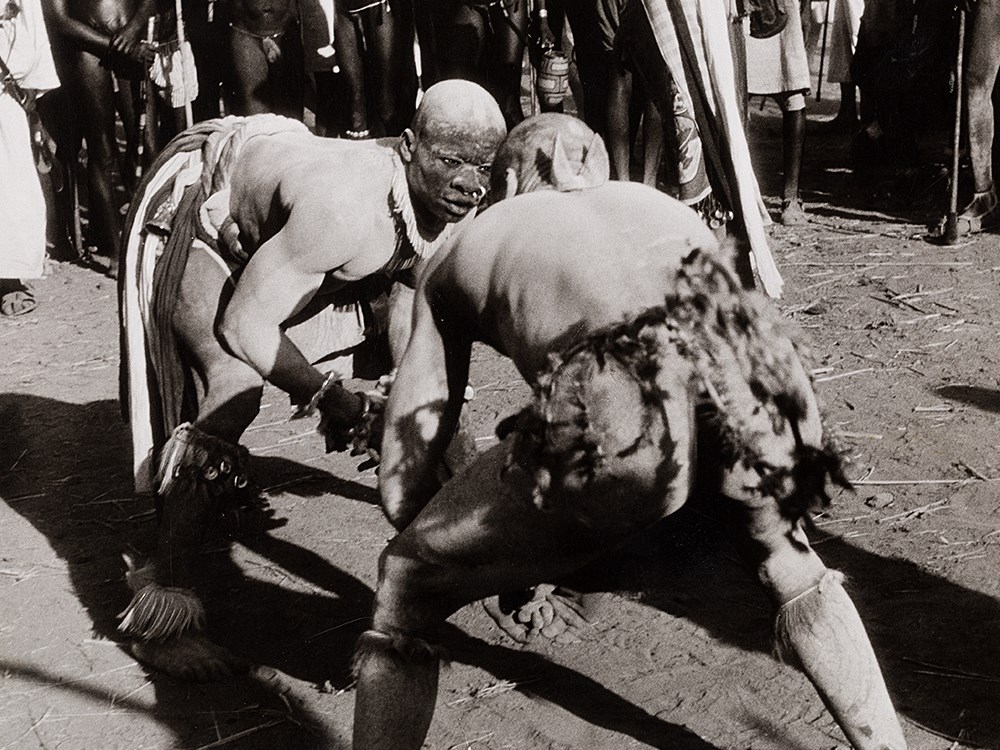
{"points": [[143, 101], [950, 234], [822, 50], [188, 114]]}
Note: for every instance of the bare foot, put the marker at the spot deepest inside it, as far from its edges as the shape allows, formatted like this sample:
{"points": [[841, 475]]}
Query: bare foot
{"points": [[792, 213], [558, 614], [190, 657]]}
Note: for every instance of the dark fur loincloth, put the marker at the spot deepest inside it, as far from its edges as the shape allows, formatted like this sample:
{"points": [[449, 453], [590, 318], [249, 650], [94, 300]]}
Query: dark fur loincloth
{"points": [[742, 356]]}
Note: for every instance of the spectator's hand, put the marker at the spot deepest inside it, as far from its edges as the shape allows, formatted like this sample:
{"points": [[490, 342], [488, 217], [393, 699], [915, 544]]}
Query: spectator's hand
{"points": [[546, 39], [127, 39], [143, 53]]}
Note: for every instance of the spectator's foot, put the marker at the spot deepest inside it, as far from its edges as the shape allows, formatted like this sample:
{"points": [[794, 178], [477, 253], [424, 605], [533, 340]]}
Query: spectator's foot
{"points": [[792, 213], [15, 298]]}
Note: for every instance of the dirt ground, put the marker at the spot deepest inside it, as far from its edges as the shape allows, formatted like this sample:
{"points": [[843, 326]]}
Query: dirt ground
{"points": [[906, 361]]}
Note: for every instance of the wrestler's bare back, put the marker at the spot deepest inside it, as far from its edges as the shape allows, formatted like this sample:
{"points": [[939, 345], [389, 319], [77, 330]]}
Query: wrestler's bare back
{"points": [[327, 199], [540, 270]]}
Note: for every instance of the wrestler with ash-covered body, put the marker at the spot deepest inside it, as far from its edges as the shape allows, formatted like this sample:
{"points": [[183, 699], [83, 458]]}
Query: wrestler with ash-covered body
{"points": [[97, 41], [312, 213], [266, 63], [609, 302]]}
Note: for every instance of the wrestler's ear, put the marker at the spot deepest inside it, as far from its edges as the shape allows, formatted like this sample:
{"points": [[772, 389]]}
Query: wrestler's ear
{"points": [[407, 145], [511, 179], [596, 164]]}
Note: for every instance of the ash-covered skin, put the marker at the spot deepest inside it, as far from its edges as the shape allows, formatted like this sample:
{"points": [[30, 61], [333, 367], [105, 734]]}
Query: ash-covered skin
{"points": [[448, 152], [549, 152]]}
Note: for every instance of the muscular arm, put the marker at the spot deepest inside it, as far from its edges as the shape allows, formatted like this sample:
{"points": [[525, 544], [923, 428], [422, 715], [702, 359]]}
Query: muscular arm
{"points": [[423, 409], [280, 279]]}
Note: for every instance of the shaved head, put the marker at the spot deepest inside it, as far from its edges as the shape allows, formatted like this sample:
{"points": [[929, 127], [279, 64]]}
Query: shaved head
{"points": [[457, 105], [550, 151], [448, 151]]}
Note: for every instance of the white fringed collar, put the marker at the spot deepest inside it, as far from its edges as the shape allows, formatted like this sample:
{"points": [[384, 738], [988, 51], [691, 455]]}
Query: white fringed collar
{"points": [[406, 220]]}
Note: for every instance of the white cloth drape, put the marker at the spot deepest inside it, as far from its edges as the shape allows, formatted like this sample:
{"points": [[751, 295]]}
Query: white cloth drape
{"points": [[24, 47]]}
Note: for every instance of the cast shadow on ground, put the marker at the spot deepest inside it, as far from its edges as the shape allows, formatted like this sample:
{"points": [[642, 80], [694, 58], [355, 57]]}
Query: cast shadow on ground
{"points": [[984, 399], [837, 187], [65, 470], [70, 479], [936, 640]]}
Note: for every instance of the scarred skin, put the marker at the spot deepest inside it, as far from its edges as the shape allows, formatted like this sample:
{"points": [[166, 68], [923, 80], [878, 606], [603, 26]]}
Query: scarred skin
{"points": [[310, 212], [531, 276]]}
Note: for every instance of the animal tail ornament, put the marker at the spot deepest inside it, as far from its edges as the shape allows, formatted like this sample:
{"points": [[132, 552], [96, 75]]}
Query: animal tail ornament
{"points": [[748, 360]]}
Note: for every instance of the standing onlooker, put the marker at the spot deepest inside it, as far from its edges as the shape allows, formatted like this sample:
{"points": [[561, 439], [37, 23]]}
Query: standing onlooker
{"points": [[483, 41], [778, 67], [101, 48], [627, 102], [980, 76], [375, 53], [844, 27], [27, 68], [266, 72]]}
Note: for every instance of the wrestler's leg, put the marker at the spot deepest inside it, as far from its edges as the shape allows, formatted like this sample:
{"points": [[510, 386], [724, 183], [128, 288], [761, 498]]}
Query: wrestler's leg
{"points": [[980, 77], [486, 532], [248, 73], [97, 109], [817, 624], [506, 57], [201, 466], [819, 627], [392, 71]]}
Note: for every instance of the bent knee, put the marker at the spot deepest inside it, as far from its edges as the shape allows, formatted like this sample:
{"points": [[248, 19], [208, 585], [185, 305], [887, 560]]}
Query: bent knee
{"points": [[412, 593]]}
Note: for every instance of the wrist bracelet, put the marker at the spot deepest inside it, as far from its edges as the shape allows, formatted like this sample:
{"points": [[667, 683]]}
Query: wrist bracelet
{"points": [[307, 410]]}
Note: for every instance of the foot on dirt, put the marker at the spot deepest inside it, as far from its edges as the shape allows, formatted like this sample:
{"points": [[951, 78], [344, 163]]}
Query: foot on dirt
{"points": [[792, 213], [190, 657], [555, 613], [981, 214], [15, 298]]}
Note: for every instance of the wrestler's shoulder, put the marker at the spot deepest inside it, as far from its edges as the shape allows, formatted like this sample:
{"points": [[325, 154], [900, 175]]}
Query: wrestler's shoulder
{"points": [[325, 168], [335, 163]]}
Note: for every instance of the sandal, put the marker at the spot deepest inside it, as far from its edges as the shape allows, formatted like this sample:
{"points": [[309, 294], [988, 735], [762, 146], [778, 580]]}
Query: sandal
{"points": [[16, 299]]}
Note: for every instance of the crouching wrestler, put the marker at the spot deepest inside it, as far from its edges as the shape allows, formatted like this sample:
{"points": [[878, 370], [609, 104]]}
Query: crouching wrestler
{"points": [[243, 228], [613, 304]]}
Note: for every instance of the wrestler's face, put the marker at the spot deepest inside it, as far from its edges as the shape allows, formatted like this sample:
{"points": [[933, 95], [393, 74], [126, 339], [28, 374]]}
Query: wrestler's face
{"points": [[448, 170]]}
